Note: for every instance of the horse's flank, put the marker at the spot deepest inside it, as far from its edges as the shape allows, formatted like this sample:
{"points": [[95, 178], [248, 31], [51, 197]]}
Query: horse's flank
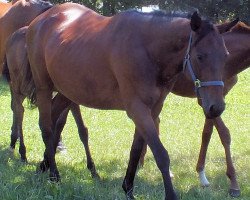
{"points": [[21, 14]]}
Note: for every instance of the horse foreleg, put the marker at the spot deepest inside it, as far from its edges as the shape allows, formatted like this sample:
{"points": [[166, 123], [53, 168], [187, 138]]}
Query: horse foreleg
{"points": [[135, 153], [144, 149], [16, 129], [146, 131], [226, 141], [206, 136], [83, 134]]}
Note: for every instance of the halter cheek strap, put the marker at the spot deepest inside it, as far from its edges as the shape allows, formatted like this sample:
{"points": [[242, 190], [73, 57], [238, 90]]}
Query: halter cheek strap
{"points": [[197, 83]]}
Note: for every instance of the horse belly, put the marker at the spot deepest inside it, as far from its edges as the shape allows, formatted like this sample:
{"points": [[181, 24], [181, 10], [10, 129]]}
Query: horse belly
{"points": [[93, 87]]}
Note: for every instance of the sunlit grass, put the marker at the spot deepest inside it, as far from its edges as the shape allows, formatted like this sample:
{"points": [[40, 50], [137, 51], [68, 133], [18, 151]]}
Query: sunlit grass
{"points": [[111, 134]]}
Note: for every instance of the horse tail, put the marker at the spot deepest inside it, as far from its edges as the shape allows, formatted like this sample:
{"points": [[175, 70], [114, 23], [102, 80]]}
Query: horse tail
{"points": [[28, 84], [5, 71]]}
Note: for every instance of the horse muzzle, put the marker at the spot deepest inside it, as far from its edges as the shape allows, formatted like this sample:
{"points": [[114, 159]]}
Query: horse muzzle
{"points": [[214, 110]]}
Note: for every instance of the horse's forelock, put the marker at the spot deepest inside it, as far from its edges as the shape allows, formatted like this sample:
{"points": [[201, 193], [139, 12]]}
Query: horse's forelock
{"points": [[205, 29]]}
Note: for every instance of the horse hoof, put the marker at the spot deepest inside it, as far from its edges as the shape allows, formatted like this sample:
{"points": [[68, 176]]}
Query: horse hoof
{"points": [[11, 149], [24, 160], [234, 193], [129, 196], [54, 177], [95, 175], [43, 167]]}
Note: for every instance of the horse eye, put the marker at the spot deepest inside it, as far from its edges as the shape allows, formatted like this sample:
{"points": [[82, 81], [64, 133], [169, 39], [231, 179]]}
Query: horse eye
{"points": [[199, 57]]}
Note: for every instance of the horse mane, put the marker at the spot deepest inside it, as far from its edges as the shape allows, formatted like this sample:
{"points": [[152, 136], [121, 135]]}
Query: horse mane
{"points": [[42, 2], [241, 27], [160, 13]]}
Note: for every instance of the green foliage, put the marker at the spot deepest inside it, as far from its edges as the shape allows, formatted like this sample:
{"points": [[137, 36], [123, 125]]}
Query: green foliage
{"points": [[218, 10], [111, 134]]}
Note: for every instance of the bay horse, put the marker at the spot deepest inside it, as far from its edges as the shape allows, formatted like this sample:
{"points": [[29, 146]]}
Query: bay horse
{"points": [[184, 87], [20, 14], [236, 41], [17, 72], [238, 45], [4, 7], [125, 62]]}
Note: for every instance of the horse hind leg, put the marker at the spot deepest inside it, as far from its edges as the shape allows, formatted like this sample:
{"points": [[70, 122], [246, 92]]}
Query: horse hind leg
{"points": [[224, 134], [206, 136], [83, 134], [16, 129], [45, 122], [60, 110]]}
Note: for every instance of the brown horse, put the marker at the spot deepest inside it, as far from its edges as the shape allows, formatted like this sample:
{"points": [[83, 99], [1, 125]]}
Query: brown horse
{"points": [[4, 7], [17, 72], [241, 33], [238, 45], [21, 13], [184, 87], [16, 68], [124, 62]]}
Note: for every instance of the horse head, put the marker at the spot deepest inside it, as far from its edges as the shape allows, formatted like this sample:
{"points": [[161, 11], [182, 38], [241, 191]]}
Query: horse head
{"points": [[205, 59]]}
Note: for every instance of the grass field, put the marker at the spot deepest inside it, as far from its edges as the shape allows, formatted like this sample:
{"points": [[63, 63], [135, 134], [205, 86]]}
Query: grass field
{"points": [[111, 134]]}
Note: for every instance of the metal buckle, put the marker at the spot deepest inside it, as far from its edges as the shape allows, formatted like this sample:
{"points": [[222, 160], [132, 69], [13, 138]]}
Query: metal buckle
{"points": [[197, 83]]}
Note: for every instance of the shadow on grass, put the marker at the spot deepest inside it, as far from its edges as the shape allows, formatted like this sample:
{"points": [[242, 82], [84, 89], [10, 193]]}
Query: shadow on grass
{"points": [[4, 87], [19, 180]]}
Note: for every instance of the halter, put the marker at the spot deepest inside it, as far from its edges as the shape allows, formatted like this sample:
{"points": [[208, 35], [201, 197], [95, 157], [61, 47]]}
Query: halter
{"points": [[197, 83]]}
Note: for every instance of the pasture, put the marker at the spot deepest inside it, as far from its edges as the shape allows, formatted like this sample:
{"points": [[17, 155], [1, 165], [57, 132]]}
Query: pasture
{"points": [[110, 139]]}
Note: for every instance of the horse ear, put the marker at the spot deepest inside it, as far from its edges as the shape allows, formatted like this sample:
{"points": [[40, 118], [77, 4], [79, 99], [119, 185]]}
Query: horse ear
{"points": [[195, 22], [222, 28]]}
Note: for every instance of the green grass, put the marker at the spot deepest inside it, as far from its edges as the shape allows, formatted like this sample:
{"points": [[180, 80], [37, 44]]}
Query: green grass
{"points": [[111, 134]]}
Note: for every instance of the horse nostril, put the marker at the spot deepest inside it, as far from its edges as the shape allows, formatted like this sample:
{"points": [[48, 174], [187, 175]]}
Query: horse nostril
{"points": [[211, 109], [215, 110]]}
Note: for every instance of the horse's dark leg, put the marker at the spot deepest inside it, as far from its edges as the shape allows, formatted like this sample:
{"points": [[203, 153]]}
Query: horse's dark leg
{"points": [[144, 149], [60, 110], [224, 134], [135, 153], [206, 136], [145, 125], [16, 129], [44, 105], [83, 134], [59, 125]]}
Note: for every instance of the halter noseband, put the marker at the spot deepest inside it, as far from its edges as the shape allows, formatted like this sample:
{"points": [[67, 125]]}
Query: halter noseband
{"points": [[197, 83]]}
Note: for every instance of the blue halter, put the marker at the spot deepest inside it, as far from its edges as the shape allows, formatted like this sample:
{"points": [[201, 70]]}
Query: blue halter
{"points": [[197, 83]]}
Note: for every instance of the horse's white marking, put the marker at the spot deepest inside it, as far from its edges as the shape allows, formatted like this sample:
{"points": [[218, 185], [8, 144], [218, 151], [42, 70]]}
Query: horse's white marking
{"points": [[171, 174], [203, 179]]}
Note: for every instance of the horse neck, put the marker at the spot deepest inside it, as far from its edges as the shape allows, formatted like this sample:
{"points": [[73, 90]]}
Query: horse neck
{"points": [[169, 40], [238, 46]]}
